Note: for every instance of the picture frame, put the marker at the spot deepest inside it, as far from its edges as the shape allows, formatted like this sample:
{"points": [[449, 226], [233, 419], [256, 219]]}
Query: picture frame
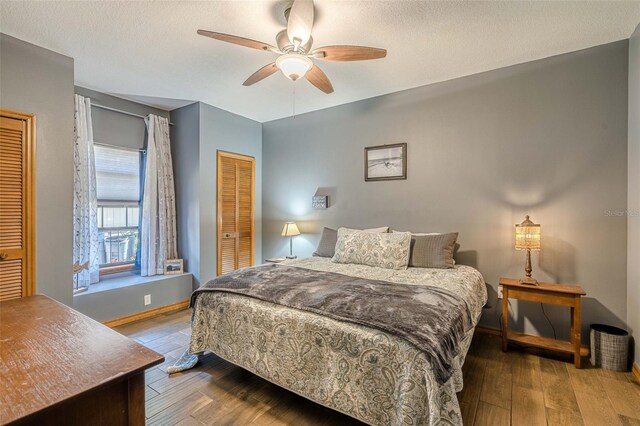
{"points": [[385, 162], [320, 201], [173, 267]]}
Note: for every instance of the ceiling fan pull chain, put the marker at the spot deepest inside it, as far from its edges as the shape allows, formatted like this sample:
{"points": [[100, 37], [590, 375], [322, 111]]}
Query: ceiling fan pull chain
{"points": [[294, 99]]}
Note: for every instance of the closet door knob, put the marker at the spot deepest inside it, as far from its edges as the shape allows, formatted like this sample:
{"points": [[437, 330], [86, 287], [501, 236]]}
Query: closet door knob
{"points": [[3, 256]]}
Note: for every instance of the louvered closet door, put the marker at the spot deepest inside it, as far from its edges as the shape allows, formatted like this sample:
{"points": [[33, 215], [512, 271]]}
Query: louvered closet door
{"points": [[16, 204], [235, 212]]}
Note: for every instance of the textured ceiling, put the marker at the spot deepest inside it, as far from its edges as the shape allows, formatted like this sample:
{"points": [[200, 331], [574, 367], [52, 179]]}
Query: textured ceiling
{"points": [[149, 50]]}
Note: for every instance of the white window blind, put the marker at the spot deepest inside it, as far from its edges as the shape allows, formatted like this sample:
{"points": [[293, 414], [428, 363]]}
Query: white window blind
{"points": [[118, 190], [117, 174]]}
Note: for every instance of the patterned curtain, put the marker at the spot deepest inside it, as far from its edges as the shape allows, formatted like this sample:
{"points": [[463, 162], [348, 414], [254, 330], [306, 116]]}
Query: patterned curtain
{"points": [[85, 203], [158, 230]]}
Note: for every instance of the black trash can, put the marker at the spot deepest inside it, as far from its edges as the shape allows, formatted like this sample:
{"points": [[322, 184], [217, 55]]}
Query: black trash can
{"points": [[609, 347]]}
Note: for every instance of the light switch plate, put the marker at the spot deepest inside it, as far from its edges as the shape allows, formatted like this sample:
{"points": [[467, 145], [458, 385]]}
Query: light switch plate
{"points": [[147, 299]]}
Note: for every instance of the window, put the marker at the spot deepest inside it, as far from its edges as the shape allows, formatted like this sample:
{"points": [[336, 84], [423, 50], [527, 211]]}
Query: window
{"points": [[118, 193]]}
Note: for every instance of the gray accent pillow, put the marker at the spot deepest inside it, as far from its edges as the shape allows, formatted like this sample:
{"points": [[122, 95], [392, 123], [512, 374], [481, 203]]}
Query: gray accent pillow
{"points": [[327, 245], [433, 251]]}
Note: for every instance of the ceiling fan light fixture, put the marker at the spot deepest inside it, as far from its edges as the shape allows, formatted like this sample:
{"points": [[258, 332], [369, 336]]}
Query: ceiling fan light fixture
{"points": [[294, 45], [293, 65]]}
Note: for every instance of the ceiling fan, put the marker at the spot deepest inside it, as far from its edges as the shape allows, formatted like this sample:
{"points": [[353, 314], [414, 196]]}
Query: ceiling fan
{"points": [[294, 47]]}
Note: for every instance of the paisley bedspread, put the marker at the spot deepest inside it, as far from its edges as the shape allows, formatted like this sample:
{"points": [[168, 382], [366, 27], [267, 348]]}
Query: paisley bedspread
{"points": [[369, 374]]}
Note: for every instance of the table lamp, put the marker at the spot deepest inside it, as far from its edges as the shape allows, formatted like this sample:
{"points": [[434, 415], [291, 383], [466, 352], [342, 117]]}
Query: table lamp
{"points": [[290, 230], [528, 238]]}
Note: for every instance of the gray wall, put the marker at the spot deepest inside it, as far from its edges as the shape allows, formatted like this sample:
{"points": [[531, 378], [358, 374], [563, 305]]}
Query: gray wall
{"points": [[39, 81], [117, 301], [185, 152], [546, 138], [114, 128], [195, 169], [633, 243], [225, 131]]}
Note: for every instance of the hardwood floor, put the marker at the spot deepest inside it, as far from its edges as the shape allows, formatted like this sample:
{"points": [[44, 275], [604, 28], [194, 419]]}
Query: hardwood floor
{"points": [[520, 387]]}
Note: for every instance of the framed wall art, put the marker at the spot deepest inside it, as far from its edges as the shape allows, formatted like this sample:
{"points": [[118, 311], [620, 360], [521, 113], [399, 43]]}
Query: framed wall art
{"points": [[320, 201], [173, 267], [385, 162]]}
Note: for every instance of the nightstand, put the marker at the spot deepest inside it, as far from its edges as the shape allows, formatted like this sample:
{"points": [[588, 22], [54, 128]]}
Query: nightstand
{"points": [[555, 294], [276, 259]]}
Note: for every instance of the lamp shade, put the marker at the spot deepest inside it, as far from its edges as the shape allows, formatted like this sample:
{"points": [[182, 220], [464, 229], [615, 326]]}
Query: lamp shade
{"points": [[290, 229], [528, 235]]}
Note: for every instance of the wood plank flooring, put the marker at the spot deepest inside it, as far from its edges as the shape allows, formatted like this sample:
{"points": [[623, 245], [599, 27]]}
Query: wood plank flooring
{"points": [[520, 387]]}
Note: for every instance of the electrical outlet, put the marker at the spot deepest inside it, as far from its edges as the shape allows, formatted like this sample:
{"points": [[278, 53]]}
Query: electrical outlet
{"points": [[499, 292], [147, 299]]}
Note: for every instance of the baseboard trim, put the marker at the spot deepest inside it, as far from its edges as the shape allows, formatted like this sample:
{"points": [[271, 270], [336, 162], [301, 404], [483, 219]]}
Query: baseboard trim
{"points": [[636, 371], [481, 329], [147, 314]]}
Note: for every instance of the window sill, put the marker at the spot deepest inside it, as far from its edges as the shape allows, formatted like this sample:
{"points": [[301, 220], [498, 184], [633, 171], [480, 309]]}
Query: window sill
{"points": [[124, 279], [105, 271]]}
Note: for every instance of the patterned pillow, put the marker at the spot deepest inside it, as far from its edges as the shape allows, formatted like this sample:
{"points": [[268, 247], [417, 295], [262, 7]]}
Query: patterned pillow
{"points": [[390, 251], [329, 238]]}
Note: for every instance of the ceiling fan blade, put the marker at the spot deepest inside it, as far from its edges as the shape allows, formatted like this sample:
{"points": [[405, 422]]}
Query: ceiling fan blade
{"points": [[300, 22], [348, 53], [319, 79], [262, 73], [247, 42]]}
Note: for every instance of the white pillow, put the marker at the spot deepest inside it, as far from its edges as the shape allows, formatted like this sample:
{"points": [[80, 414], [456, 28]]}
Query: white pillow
{"points": [[381, 230], [418, 233], [384, 250]]}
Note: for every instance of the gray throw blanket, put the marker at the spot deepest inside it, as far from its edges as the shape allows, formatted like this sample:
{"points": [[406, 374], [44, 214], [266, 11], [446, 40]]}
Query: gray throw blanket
{"points": [[431, 318]]}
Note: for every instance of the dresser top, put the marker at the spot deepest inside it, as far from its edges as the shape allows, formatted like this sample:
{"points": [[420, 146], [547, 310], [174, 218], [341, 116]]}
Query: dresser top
{"points": [[50, 353]]}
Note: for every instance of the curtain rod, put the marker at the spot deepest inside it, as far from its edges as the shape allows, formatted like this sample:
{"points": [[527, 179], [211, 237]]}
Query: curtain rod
{"points": [[126, 148], [122, 112]]}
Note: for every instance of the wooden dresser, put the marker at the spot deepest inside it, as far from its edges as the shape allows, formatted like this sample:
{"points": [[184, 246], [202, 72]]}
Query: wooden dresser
{"points": [[59, 367]]}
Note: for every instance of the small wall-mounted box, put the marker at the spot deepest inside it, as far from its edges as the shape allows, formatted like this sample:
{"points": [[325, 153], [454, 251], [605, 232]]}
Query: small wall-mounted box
{"points": [[320, 201]]}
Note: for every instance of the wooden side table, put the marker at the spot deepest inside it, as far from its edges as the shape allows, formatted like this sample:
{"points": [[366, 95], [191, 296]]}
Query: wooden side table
{"points": [[556, 294]]}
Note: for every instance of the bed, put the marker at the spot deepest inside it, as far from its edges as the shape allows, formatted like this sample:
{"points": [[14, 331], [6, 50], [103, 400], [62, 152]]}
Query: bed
{"points": [[365, 372]]}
